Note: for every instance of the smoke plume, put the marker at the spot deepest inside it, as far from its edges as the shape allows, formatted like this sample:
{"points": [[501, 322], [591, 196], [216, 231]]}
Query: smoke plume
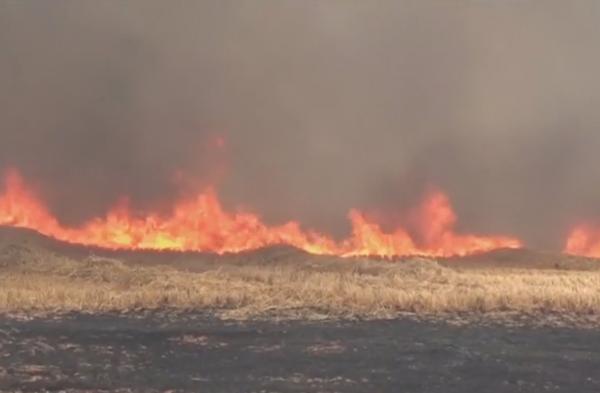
{"points": [[304, 109]]}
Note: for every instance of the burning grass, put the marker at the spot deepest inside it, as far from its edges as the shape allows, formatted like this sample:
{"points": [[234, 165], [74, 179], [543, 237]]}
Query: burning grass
{"points": [[39, 281], [202, 224]]}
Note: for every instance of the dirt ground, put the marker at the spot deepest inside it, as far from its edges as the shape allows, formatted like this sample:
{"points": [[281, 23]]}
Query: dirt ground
{"points": [[196, 353]]}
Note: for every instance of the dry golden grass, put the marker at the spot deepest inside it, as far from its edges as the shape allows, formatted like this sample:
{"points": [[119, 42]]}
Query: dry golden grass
{"points": [[35, 281]]}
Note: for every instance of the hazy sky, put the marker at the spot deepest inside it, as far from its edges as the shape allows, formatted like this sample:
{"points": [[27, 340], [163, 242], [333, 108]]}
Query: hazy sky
{"points": [[324, 105]]}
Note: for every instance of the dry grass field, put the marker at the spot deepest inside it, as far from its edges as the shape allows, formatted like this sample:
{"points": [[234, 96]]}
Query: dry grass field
{"points": [[281, 283]]}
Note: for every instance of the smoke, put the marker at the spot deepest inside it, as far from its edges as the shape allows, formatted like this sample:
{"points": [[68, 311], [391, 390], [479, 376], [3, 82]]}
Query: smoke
{"points": [[323, 106]]}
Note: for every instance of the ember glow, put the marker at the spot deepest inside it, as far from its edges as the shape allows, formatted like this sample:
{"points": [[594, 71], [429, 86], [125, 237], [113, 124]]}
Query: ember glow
{"points": [[584, 240], [201, 224]]}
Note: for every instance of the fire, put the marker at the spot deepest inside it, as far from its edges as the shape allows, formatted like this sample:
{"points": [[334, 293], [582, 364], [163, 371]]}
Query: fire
{"points": [[201, 224], [584, 240]]}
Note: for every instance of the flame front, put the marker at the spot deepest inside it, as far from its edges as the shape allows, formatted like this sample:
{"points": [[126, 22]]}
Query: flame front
{"points": [[201, 224]]}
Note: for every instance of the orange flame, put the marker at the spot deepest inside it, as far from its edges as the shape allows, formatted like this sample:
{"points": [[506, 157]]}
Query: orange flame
{"points": [[201, 224], [584, 240]]}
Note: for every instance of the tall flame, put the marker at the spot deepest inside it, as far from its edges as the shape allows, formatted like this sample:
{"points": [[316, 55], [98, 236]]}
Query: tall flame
{"points": [[584, 240], [201, 224]]}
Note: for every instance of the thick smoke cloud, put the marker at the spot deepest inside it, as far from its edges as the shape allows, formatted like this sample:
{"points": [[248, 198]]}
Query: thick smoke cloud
{"points": [[323, 105]]}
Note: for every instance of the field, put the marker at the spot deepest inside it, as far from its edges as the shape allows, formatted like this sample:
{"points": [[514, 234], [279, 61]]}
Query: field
{"points": [[38, 275], [76, 319]]}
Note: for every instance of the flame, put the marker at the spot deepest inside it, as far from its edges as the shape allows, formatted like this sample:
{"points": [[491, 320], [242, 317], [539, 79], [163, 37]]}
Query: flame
{"points": [[201, 224], [584, 240]]}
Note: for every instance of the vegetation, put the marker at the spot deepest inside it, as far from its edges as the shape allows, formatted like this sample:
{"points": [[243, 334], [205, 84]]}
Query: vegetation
{"points": [[40, 281]]}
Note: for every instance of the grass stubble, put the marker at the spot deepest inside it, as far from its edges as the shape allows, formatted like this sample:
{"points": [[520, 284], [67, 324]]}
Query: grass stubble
{"points": [[37, 282]]}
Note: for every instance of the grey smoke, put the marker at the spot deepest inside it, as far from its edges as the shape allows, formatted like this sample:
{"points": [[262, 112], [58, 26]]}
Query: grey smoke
{"points": [[325, 105]]}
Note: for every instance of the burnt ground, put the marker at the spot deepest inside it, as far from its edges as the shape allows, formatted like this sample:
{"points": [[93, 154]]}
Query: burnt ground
{"points": [[197, 353]]}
